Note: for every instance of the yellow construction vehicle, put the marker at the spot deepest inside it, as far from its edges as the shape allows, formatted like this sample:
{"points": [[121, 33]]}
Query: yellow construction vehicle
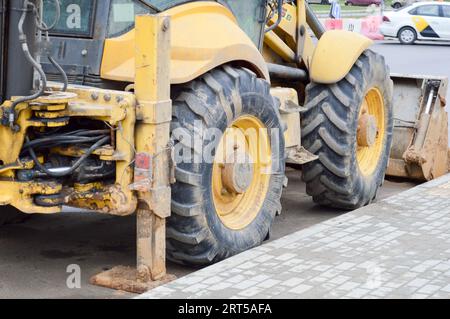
{"points": [[189, 113]]}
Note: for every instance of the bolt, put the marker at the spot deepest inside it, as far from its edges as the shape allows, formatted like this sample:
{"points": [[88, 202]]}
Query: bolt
{"points": [[94, 96], [107, 97], [119, 99], [84, 52], [165, 25]]}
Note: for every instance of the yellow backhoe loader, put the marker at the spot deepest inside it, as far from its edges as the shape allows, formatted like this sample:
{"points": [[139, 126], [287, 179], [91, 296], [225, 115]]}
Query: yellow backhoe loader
{"points": [[188, 111]]}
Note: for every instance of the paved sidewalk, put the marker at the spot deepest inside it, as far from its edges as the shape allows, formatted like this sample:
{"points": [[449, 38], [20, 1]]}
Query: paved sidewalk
{"points": [[397, 248]]}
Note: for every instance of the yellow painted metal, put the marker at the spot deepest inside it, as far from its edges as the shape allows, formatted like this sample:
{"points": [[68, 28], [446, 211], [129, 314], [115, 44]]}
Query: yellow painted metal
{"points": [[274, 42], [283, 40], [246, 138], [115, 108], [290, 115], [20, 195], [420, 23], [154, 114], [336, 53], [368, 157], [204, 35], [154, 111]]}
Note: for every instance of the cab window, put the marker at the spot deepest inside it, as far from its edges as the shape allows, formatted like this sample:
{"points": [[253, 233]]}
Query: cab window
{"points": [[428, 10], [253, 23], [76, 17], [122, 15], [446, 11]]}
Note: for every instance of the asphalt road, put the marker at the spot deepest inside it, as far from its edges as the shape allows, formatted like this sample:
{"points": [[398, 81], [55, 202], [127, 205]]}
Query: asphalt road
{"points": [[421, 58], [34, 256], [431, 58]]}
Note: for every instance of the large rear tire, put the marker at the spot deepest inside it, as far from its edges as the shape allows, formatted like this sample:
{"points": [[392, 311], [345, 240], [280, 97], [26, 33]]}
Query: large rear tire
{"points": [[349, 126], [214, 216]]}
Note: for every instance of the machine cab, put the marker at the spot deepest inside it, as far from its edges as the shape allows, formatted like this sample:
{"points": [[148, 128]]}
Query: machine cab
{"points": [[79, 36]]}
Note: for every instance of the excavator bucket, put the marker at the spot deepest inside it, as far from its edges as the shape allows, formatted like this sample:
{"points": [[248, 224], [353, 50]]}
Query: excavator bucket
{"points": [[420, 149]]}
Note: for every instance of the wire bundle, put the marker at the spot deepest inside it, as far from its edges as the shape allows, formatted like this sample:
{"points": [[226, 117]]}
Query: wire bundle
{"points": [[99, 138]]}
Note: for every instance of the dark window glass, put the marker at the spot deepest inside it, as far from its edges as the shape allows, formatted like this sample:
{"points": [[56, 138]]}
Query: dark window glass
{"points": [[76, 16], [428, 10], [122, 15], [249, 13], [446, 11]]}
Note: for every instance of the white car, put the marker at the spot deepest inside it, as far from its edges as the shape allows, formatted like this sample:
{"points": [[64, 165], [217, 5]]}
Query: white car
{"points": [[419, 21]]}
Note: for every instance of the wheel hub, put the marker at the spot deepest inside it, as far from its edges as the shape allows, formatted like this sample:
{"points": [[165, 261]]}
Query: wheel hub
{"points": [[367, 130], [237, 174], [241, 172]]}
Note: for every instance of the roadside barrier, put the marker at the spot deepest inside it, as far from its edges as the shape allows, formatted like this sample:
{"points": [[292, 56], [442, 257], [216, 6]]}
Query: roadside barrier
{"points": [[368, 26]]}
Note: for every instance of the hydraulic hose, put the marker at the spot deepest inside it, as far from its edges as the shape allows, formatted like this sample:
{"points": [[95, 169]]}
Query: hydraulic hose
{"points": [[280, 16], [61, 72], [68, 171], [36, 65], [26, 50]]}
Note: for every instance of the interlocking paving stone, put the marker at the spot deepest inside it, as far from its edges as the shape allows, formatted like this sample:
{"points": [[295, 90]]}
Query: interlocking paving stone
{"points": [[396, 248]]}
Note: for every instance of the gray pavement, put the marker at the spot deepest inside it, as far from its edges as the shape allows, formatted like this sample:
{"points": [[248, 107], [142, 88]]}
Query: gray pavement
{"points": [[34, 256], [396, 248], [432, 58]]}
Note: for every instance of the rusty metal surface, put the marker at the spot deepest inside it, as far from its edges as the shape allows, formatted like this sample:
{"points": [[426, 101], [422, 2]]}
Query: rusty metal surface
{"points": [[127, 279], [420, 148]]}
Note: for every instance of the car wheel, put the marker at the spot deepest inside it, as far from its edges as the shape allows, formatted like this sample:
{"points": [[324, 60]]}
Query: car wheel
{"points": [[396, 5], [407, 35], [348, 3]]}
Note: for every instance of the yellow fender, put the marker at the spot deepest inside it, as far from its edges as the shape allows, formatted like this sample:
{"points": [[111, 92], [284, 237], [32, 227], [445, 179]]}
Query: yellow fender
{"points": [[204, 35], [335, 55]]}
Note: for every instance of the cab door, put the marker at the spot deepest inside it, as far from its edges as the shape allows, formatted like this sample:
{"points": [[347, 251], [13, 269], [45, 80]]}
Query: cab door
{"points": [[445, 25], [427, 20]]}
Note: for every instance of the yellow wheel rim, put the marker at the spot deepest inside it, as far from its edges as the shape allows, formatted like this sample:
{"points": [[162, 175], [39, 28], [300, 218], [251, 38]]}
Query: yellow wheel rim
{"points": [[371, 132], [241, 172]]}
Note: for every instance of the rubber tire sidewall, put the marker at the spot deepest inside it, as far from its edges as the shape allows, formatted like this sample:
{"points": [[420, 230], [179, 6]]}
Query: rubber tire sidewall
{"points": [[344, 186], [237, 241], [407, 43], [199, 237]]}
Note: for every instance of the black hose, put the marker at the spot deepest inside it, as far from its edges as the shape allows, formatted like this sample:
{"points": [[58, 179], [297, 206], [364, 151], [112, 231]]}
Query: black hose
{"points": [[69, 171], [287, 73], [26, 50], [280, 16], [61, 71], [49, 141], [86, 132]]}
